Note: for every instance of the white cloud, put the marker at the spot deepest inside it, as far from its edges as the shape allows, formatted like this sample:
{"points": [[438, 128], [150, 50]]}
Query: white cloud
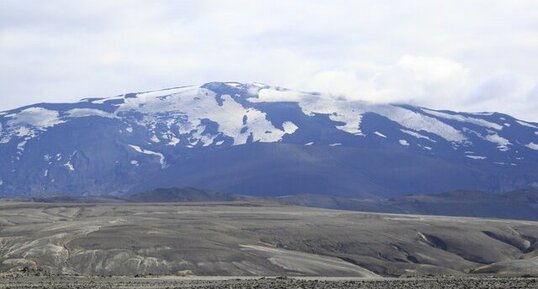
{"points": [[462, 55]]}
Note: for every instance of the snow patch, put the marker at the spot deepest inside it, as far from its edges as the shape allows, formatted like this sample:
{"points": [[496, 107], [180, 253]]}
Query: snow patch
{"points": [[152, 153], [403, 142], [462, 118], [425, 147], [37, 117], [24, 132], [532, 146], [69, 166], [476, 157], [173, 141], [20, 147], [289, 127], [380, 134], [417, 135], [85, 112], [198, 136], [28, 123], [103, 100], [144, 96], [502, 143]]}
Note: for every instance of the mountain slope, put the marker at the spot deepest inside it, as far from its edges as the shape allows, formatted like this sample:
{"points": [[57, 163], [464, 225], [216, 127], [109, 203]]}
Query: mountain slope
{"points": [[259, 140]]}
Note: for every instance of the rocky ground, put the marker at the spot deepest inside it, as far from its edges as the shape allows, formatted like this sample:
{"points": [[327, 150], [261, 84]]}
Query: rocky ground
{"points": [[262, 283]]}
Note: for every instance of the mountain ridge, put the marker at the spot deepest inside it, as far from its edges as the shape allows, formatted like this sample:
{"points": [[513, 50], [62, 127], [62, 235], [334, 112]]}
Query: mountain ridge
{"points": [[515, 205], [260, 140], [519, 204]]}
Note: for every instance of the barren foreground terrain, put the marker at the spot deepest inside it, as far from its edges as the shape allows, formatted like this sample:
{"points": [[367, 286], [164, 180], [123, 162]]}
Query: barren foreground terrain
{"points": [[267, 283], [256, 239]]}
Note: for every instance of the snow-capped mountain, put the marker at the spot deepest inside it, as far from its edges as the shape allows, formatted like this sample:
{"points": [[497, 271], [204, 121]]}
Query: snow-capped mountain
{"points": [[260, 140]]}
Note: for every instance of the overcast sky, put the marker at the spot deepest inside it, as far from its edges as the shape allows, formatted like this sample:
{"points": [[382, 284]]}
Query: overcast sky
{"points": [[461, 55]]}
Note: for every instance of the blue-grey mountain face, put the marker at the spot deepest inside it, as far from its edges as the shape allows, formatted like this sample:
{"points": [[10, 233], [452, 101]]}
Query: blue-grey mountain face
{"points": [[259, 140]]}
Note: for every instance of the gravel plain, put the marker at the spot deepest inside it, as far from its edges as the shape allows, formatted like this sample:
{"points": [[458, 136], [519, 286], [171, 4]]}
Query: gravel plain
{"points": [[129, 245], [265, 283]]}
